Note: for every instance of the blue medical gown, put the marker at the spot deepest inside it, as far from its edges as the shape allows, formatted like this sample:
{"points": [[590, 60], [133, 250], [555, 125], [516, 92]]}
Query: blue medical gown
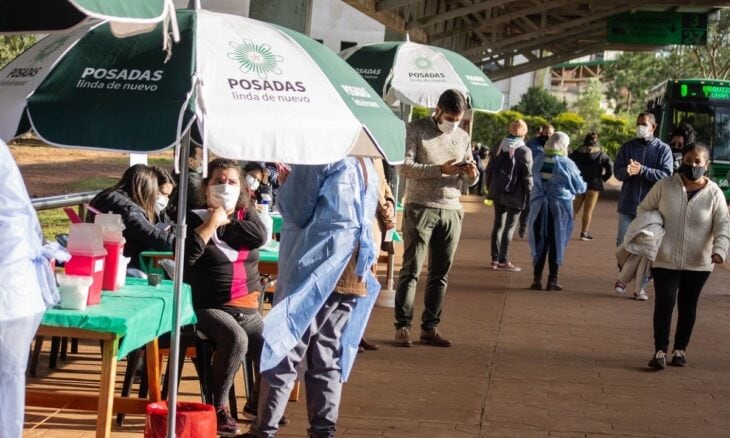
{"points": [[555, 194], [328, 211]]}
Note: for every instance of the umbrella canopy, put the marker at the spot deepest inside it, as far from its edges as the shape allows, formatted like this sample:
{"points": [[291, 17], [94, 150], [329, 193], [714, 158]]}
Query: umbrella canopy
{"points": [[43, 16], [417, 74], [258, 91]]}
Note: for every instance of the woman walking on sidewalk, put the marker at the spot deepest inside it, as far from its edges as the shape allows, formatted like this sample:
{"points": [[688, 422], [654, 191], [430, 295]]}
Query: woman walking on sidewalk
{"points": [[697, 237], [596, 168], [556, 182]]}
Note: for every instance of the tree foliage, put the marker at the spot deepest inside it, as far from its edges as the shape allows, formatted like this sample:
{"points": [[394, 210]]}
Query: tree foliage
{"points": [[12, 46], [713, 59], [538, 101], [631, 77], [588, 104]]}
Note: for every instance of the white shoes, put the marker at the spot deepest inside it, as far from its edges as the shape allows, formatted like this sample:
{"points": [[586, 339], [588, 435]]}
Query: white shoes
{"points": [[641, 296]]}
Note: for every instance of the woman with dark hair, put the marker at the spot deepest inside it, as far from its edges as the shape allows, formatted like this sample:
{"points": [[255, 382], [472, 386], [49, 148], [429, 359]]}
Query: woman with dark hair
{"points": [[134, 198], [682, 138], [595, 168], [165, 188], [221, 266], [697, 236]]}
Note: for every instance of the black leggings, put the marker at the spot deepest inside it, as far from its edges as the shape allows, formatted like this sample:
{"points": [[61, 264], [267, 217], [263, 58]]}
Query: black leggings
{"points": [[683, 288], [236, 335]]}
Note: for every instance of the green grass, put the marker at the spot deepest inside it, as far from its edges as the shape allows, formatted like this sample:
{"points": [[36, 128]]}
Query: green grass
{"points": [[93, 183], [53, 221]]}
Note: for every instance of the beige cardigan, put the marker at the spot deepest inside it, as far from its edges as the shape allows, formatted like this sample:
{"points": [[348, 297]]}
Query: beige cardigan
{"points": [[694, 230]]}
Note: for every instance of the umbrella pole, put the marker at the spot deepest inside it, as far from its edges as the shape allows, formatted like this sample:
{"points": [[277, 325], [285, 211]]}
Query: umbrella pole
{"points": [[405, 114], [180, 233]]}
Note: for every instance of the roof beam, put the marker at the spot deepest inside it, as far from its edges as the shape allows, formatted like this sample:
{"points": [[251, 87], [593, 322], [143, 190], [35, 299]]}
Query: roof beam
{"points": [[390, 19], [385, 5], [457, 12], [491, 23], [550, 30], [547, 61], [563, 37]]}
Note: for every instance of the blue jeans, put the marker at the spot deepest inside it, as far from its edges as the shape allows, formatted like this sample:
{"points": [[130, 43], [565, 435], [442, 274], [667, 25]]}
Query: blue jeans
{"points": [[624, 220]]}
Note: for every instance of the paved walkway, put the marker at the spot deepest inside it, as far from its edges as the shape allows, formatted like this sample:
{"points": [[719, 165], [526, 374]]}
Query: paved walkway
{"points": [[524, 363]]}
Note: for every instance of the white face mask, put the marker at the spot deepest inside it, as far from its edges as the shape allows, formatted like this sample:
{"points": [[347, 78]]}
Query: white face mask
{"points": [[161, 203], [199, 169], [223, 195], [252, 182], [643, 132], [447, 127]]}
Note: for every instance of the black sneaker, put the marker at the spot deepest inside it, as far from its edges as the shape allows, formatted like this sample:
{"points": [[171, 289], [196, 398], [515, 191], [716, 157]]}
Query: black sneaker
{"points": [[679, 358], [227, 425], [250, 411], [659, 361], [586, 236], [522, 230]]}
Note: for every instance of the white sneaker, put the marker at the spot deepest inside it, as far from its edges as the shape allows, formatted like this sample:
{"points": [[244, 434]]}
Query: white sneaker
{"points": [[641, 296], [619, 287]]}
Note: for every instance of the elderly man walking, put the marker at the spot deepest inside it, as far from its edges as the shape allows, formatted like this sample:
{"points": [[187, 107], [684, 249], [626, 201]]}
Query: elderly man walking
{"points": [[438, 161]]}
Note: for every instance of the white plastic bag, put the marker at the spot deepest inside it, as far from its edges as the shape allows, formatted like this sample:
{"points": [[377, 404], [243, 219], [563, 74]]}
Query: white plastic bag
{"points": [[74, 291]]}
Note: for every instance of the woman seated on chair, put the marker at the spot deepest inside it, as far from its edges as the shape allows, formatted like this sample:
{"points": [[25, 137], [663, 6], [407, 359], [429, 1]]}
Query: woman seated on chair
{"points": [[221, 266], [137, 197]]}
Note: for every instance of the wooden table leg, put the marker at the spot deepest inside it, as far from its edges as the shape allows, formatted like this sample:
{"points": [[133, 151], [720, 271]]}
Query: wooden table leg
{"points": [[153, 370], [106, 390]]}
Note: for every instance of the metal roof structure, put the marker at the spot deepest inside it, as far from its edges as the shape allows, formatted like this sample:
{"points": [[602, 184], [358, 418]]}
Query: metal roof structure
{"points": [[510, 37]]}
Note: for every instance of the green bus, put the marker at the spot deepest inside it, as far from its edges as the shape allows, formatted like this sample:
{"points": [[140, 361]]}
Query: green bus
{"points": [[704, 104]]}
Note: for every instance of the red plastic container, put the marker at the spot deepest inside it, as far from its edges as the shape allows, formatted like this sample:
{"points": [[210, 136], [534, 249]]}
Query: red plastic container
{"points": [[193, 420], [114, 266], [89, 265]]}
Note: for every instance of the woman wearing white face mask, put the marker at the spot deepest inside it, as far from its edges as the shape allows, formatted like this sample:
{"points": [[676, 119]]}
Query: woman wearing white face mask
{"points": [[258, 181], [137, 197], [221, 266]]}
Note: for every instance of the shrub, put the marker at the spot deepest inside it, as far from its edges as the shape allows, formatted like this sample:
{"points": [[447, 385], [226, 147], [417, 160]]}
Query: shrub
{"points": [[614, 132]]}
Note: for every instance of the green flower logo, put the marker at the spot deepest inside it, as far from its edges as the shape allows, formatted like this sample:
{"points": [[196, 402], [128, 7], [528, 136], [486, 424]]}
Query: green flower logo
{"points": [[422, 63], [49, 49], [255, 58]]}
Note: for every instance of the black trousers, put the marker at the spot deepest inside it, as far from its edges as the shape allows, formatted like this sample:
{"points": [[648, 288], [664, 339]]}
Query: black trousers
{"points": [[682, 288], [549, 248]]}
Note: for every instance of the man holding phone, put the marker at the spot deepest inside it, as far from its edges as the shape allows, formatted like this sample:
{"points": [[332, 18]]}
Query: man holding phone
{"points": [[437, 163]]}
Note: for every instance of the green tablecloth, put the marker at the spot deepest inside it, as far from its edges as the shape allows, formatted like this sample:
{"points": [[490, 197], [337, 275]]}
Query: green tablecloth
{"points": [[269, 253], [138, 312], [278, 221]]}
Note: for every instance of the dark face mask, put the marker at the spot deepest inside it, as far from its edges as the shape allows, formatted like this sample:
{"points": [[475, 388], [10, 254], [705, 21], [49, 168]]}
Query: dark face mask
{"points": [[692, 173]]}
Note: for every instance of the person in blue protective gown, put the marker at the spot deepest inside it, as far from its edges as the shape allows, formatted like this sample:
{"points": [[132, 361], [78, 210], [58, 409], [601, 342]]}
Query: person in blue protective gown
{"points": [[556, 182], [325, 292], [27, 289]]}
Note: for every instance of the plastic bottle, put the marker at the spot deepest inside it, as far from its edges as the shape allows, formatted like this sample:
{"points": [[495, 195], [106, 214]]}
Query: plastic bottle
{"points": [[267, 220]]}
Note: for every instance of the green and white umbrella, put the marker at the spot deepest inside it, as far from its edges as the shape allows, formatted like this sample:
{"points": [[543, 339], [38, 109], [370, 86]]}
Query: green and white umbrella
{"points": [[258, 91], [416, 74], [43, 16]]}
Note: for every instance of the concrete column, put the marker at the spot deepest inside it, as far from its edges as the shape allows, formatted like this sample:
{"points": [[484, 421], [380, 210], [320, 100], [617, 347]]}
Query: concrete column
{"points": [[294, 14]]}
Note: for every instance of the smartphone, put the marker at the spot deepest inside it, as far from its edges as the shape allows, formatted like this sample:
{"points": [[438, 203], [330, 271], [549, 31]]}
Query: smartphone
{"points": [[462, 163]]}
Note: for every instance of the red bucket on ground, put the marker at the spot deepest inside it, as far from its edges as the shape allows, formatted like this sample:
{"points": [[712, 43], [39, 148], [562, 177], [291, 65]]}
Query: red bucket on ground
{"points": [[193, 420]]}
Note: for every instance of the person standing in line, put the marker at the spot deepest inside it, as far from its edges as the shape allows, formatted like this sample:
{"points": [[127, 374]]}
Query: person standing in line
{"points": [[557, 181], [437, 163], [325, 292], [640, 163], [509, 178], [596, 168], [536, 145], [697, 237], [683, 137]]}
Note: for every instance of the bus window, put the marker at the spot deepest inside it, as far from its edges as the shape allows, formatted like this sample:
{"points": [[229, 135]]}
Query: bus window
{"points": [[721, 149], [698, 115]]}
